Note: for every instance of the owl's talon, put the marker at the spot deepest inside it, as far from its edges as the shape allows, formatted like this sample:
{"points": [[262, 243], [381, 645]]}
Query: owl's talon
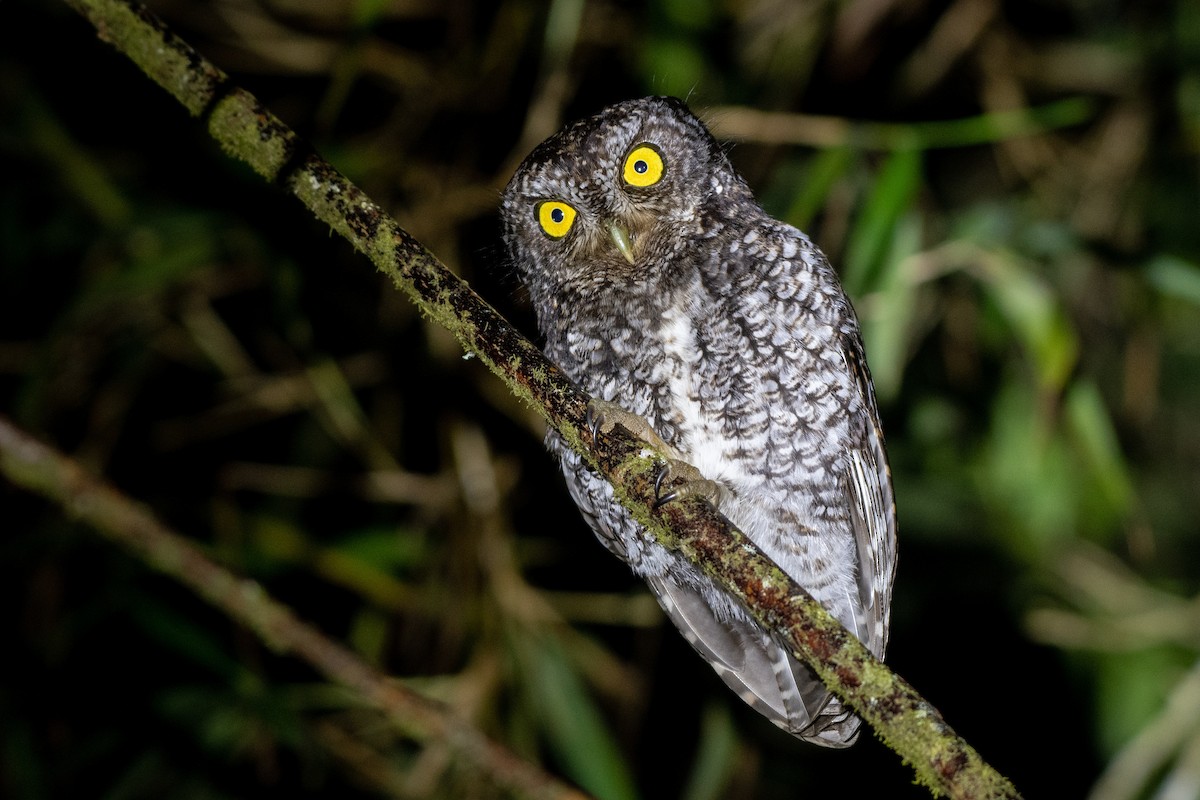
{"points": [[595, 419], [667, 498], [664, 473], [664, 469], [694, 485]]}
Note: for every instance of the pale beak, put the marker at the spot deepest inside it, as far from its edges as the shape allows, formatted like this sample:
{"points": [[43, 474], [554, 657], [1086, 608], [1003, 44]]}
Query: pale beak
{"points": [[620, 238]]}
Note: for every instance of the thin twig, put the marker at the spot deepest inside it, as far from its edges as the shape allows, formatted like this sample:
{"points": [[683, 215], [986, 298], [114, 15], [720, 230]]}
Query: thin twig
{"points": [[907, 723], [778, 127]]}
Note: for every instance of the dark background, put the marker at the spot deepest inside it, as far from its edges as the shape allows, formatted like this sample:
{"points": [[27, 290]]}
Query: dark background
{"points": [[1031, 302]]}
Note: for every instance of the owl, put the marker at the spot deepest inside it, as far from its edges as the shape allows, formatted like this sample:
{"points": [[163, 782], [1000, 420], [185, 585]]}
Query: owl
{"points": [[662, 288]]}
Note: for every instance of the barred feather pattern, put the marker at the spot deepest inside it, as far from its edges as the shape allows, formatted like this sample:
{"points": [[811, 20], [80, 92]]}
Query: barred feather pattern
{"points": [[729, 333]]}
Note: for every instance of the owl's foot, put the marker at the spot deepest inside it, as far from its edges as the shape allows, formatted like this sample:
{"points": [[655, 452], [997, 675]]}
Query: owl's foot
{"points": [[603, 416], [694, 484]]}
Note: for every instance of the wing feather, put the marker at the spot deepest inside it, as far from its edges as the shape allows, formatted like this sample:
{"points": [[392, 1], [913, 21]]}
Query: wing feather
{"points": [[758, 670], [872, 511]]}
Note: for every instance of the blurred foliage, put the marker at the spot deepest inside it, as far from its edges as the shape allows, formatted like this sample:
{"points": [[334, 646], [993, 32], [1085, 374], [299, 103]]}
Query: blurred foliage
{"points": [[1012, 191]]}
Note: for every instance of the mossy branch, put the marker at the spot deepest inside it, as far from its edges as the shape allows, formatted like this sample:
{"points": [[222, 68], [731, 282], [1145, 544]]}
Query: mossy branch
{"points": [[911, 726]]}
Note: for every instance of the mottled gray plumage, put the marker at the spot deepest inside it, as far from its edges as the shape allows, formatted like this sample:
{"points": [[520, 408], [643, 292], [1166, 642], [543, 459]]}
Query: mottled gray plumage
{"points": [[682, 301]]}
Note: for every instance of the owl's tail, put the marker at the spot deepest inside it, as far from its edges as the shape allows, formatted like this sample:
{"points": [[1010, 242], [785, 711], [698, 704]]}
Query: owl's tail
{"points": [[762, 673]]}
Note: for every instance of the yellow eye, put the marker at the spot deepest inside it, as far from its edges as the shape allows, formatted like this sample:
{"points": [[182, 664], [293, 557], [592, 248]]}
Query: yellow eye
{"points": [[555, 218], [643, 166]]}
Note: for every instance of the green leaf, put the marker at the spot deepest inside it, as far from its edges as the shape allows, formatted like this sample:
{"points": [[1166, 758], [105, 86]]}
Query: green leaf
{"points": [[1026, 475], [689, 14], [1175, 277], [170, 249], [998, 126], [367, 13], [1131, 689], [573, 726], [812, 193], [886, 314], [386, 547], [715, 757], [181, 635], [1032, 311], [674, 66], [369, 634], [893, 192], [1097, 443], [361, 563]]}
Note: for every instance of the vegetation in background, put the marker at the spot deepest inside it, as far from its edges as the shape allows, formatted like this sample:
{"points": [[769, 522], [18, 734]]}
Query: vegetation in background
{"points": [[1011, 193]]}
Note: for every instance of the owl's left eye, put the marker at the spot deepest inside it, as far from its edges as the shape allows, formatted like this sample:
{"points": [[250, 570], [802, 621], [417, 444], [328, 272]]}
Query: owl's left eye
{"points": [[556, 218], [643, 166]]}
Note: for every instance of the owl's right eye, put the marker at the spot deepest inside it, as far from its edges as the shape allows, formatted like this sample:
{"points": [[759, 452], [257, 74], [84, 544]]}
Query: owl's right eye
{"points": [[556, 218]]}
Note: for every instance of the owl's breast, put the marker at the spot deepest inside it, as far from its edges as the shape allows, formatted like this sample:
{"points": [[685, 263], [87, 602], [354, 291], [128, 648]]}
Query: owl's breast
{"points": [[755, 394], [743, 382]]}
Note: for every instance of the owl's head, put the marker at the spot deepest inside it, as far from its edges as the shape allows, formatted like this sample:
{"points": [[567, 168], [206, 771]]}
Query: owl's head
{"points": [[618, 198]]}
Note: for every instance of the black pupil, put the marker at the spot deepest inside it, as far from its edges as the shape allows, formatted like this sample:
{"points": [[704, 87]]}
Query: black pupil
{"points": [[556, 214], [640, 166]]}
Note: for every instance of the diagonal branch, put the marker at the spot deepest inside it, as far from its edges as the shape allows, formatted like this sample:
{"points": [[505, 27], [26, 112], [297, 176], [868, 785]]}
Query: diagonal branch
{"points": [[911, 726]]}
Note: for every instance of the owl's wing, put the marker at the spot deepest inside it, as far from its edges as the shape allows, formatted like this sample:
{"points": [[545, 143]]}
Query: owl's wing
{"points": [[872, 510], [758, 670], [746, 657]]}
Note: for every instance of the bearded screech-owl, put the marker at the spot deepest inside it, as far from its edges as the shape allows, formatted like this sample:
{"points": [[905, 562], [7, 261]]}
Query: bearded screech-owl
{"points": [[662, 287]]}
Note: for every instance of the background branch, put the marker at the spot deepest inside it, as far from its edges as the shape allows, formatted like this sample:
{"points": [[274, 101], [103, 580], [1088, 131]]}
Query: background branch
{"points": [[36, 467]]}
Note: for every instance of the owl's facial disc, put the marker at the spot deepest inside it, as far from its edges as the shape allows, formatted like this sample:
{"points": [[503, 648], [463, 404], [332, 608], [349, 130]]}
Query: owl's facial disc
{"points": [[644, 167]]}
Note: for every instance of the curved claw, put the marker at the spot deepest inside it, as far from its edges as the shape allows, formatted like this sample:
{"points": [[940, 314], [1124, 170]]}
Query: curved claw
{"points": [[594, 420], [664, 472], [694, 484], [662, 501]]}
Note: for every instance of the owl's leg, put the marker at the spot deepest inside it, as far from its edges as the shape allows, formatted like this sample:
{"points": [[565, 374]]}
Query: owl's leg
{"points": [[603, 416]]}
